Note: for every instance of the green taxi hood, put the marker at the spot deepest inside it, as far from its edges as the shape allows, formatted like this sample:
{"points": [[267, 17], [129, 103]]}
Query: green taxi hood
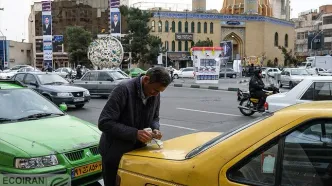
{"points": [[50, 135]]}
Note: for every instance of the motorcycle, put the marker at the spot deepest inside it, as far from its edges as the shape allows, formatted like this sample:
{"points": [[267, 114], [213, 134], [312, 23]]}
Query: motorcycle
{"points": [[248, 105]]}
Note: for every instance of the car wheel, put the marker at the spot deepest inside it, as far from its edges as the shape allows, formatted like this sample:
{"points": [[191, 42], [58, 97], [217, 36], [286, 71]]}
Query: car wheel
{"points": [[233, 76], [79, 106], [279, 83], [176, 76]]}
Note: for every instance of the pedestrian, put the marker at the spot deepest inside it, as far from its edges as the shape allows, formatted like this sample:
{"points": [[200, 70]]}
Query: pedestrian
{"points": [[131, 107]]}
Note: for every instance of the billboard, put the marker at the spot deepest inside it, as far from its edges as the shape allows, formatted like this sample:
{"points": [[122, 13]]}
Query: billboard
{"points": [[317, 41], [228, 49], [115, 22], [47, 33]]}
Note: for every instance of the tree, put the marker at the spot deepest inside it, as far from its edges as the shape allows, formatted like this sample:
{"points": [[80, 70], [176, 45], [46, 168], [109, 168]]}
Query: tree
{"points": [[78, 41], [144, 47], [289, 59], [204, 43]]}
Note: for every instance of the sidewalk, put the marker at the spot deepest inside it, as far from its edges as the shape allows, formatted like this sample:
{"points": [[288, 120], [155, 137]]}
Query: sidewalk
{"points": [[224, 84]]}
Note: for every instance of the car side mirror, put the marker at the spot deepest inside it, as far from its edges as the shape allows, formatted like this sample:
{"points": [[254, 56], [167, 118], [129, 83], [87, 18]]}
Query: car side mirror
{"points": [[63, 107], [34, 84]]}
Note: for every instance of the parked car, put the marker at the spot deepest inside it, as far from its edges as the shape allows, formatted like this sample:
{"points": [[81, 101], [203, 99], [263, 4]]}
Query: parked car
{"points": [[291, 146], [100, 82], [37, 138], [8, 74], [322, 72], [271, 71], [230, 73], [16, 68], [65, 71], [176, 73], [54, 88], [315, 88], [134, 72], [292, 76], [188, 72]]}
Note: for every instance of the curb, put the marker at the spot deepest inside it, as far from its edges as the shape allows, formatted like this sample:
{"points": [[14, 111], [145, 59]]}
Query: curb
{"points": [[231, 89]]}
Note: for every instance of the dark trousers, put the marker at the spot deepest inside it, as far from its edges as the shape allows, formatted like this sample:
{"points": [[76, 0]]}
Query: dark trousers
{"points": [[261, 95], [110, 170]]}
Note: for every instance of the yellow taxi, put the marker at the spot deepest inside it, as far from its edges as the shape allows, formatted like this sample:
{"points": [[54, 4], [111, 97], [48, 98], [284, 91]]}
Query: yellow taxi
{"points": [[292, 147]]}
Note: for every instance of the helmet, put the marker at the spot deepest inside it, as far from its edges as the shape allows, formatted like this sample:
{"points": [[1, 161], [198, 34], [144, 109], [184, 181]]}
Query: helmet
{"points": [[257, 72]]}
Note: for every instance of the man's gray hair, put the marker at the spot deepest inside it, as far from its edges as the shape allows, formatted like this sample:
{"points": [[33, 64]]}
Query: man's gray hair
{"points": [[159, 75]]}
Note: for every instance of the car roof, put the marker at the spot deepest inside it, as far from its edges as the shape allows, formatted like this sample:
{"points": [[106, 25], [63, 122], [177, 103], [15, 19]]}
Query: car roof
{"points": [[309, 108], [7, 84], [37, 73], [329, 78]]}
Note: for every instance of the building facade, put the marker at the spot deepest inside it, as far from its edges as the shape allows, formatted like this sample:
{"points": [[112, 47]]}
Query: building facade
{"points": [[313, 22], [92, 15], [252, 36], [198, 5], [15, 53]]}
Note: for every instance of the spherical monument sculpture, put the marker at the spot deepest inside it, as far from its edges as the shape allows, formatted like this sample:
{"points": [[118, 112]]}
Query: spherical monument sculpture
{"points": [[106, 52]]}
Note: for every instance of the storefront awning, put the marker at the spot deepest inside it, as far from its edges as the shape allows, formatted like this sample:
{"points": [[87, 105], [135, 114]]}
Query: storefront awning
{"points": [[178, 56]]}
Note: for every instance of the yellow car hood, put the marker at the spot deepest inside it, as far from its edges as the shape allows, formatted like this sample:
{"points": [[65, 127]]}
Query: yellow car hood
{"points": [[177, 148]]}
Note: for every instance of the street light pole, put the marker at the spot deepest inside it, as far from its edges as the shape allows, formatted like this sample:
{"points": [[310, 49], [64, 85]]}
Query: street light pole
{"points": [[314, 39]]}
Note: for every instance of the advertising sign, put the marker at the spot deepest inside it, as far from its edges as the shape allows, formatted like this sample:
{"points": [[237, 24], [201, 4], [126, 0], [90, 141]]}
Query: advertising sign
{"points": [[228, 49], [207, 64], [115, 22], [47, 33]]}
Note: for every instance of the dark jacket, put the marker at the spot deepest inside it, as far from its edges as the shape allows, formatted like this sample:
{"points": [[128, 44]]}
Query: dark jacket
{"points": [[256, 84], [123, 115]]}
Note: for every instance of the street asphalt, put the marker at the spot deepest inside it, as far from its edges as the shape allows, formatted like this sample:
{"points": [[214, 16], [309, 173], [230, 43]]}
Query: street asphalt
{"points": [[184, 111]]}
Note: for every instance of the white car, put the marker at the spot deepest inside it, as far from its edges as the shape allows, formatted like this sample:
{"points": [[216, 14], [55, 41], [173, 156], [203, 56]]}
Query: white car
{"points": [[271, 71], [188, 72], [63, 72], [313, 88], [292, 76]]}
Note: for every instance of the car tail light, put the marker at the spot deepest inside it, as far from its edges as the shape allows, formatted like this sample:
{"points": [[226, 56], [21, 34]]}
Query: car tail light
{"points": [[266, 106]]}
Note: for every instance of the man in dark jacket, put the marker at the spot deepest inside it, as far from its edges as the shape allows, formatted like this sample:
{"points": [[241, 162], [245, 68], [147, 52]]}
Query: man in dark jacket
{"points": [[132, 106], [256, 86]]}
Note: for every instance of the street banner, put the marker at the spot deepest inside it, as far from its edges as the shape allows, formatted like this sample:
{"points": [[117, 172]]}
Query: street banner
{"points": [[47, 33], [207, 64], [228, 49], [115, 22]]}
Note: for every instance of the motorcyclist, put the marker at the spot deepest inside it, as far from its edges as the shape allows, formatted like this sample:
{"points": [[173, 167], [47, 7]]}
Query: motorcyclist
{"points": [[256, 86], [78, 72]]}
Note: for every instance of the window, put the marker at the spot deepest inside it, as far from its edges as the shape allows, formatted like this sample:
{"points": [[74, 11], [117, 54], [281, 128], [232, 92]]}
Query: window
{"points": [[30, 79], [305, 158], [93, 76], [19, 77], [104, 76], [307, 155], [166, 45], [199, 27], [276, 39], [173, 26], [179, 26], [179, 46], [153, 29], [186, 27], [186, 46], [192, 44], [318, 91], [259, 168], [173, 46], [86, 77], [192, 27], [211, 28], [205, 27], [166, 26], [286, 40], [160, 26]]}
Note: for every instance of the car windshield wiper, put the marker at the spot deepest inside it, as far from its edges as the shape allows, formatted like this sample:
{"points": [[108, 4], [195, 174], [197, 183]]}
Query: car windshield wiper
{"points": [[39, 115]]}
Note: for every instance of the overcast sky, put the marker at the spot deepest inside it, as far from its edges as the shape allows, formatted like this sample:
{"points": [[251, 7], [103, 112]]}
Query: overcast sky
{"points": [[14, 19]]}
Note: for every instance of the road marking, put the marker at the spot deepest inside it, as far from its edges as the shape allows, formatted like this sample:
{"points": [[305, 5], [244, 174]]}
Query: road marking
{"points": [[208, 112], [178, 127]]}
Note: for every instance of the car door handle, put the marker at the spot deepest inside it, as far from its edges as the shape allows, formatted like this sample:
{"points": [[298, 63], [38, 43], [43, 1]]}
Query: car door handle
{"points": [[86, 82]]}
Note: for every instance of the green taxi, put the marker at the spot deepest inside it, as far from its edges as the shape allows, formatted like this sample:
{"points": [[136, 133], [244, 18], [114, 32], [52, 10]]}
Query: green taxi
{"points": [[38, 138], [135, 72]]}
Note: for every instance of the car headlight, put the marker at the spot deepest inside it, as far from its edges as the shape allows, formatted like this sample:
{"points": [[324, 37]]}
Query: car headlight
{"points": [[86, 93], [39, 162], [65, 94]]}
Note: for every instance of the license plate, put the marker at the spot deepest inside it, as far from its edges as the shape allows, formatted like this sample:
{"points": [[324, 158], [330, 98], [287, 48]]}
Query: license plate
{"points": [[86, 169], [78, 99]]}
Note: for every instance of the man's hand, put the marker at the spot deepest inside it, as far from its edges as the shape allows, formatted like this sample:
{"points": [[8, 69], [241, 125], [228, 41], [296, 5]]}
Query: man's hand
{"points": [[157, 134], [144, 136]]}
